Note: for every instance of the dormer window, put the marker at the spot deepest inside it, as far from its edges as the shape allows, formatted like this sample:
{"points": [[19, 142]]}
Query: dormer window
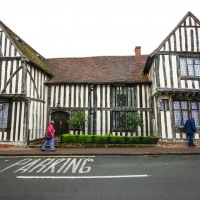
{"points": [[190, 66]]}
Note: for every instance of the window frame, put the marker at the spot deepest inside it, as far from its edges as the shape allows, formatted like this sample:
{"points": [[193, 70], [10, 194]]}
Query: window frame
{"points": [[4, 115], [189, 64], [164, 104], [118, 120], [183, 112], [123, 96]]}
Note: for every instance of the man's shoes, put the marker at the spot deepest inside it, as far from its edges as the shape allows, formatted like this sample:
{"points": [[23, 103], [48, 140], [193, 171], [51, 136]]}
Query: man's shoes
{"points": [[192, 146], [53, 150], [42, 149]]}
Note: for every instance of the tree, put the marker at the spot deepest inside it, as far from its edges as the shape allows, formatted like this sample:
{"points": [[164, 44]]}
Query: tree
{"points": [[132, 120], [78, 120]]}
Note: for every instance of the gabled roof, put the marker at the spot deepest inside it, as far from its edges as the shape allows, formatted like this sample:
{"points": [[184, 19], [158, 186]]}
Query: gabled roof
{"points": [[25, 50], [150, 57], [98, 70]]}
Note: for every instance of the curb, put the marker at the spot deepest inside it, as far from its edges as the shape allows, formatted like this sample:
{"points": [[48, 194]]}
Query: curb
{"points": [[86, 155], [53, 154]]}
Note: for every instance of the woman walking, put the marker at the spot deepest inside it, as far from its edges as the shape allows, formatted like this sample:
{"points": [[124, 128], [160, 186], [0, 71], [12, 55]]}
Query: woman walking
{"points": [[50, 135]]}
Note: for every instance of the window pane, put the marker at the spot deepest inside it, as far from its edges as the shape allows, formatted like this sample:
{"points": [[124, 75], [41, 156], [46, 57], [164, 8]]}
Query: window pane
{"points": [[190, 70], [185, 116], [121, 100], [130, 97], [183, 66], [177, 117], [118, 119], [3, 115], [194, 105], [162, 105], [190, 61], [184, 104], [176, 105], [197, 70], [197, 61], [196, 116]]}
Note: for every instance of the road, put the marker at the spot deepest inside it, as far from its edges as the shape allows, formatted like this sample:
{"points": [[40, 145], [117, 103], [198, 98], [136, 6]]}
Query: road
{"points": [[100, 177]]}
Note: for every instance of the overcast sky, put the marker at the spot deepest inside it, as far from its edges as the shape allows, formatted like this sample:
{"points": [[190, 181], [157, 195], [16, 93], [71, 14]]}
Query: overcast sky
{"points": [[82, 28]]}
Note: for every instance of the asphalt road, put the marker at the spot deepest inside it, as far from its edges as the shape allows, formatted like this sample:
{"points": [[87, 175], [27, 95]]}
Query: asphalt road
{"points": [[164, 177]]}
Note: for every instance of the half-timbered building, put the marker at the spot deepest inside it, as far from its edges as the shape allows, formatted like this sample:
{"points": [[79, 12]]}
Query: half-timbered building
{"points": [[174, 69], [163, 87], [23, 95]]}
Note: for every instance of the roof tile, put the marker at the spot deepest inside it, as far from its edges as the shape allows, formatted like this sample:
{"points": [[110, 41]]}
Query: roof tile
{"points": [[102, 69]]}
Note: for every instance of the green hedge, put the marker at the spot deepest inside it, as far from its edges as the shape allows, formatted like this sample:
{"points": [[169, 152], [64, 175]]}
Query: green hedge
{"points": [[108, 139]]}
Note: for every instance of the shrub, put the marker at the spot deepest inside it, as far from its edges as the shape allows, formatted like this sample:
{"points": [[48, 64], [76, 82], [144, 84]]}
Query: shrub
{"points": [[78, 120], [108, 139], [132, 120]]}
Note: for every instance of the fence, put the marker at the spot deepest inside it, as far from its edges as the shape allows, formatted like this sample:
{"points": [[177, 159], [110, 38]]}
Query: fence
{"points": [[35, 135], [38, 134]]}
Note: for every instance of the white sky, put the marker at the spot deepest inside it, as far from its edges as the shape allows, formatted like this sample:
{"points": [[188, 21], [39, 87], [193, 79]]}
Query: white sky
{"points": [[81, 28]]}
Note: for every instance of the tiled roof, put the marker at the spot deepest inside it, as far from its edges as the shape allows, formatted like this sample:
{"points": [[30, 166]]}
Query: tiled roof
{"points": [[25, 50], [102, 69]]}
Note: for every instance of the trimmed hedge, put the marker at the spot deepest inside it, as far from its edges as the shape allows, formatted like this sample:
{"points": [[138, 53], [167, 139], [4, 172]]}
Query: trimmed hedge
{"points": [[108, 139]]}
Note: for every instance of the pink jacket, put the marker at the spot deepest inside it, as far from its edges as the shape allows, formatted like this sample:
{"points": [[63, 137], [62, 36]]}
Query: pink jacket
{"points": [[50, 130]]}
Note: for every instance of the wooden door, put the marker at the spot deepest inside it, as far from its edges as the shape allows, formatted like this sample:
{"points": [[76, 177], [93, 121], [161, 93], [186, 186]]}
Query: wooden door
{"points": [[60, 119]]}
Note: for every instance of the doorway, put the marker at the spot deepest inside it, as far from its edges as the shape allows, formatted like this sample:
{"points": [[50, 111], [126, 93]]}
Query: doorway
{"points": [[60, 119]]}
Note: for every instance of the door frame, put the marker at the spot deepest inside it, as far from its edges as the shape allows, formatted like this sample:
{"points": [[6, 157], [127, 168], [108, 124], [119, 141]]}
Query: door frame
{"points": [[61, 110]]}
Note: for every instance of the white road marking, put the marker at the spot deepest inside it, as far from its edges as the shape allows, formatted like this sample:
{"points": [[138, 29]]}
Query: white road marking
{"points": [[82, 177], [75, 164]]}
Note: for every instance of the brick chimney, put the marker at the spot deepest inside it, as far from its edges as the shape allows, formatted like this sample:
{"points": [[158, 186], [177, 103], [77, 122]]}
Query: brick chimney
{"points": [[138, 50]]}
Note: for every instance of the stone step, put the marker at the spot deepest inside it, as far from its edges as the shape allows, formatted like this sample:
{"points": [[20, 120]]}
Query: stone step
{"points": [[39, 143]]}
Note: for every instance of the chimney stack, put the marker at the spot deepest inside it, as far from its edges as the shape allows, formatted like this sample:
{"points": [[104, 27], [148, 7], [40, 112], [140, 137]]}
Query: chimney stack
{"points": [[138, 50]]}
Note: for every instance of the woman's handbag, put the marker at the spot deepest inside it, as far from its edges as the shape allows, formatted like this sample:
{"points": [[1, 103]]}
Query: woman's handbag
{"points": [[47, 137]]}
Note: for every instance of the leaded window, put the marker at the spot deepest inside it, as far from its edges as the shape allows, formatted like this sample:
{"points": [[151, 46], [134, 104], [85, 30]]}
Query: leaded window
{"points": [[118, 119], [164, 104], [184, 109], [123, 96], [3, 115], [190, 66]]}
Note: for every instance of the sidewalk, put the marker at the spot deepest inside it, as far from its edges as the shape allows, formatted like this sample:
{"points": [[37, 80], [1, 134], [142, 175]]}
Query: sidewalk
{"points": [[156, 150]]}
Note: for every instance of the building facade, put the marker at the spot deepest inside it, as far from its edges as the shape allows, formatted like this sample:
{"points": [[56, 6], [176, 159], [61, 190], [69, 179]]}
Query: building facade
{"points": [[174, 70], [163, 87]]}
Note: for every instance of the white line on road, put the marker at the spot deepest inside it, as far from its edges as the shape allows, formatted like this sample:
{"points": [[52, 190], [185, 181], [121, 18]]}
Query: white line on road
{"points": [[82, 177]]}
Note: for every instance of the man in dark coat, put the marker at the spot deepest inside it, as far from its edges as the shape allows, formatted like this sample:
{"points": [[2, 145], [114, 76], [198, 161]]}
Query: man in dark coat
{"points": [[190, 129]]}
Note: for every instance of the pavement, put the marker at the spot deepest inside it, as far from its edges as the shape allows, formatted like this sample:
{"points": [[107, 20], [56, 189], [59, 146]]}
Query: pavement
{"points": [[67, 151]]}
